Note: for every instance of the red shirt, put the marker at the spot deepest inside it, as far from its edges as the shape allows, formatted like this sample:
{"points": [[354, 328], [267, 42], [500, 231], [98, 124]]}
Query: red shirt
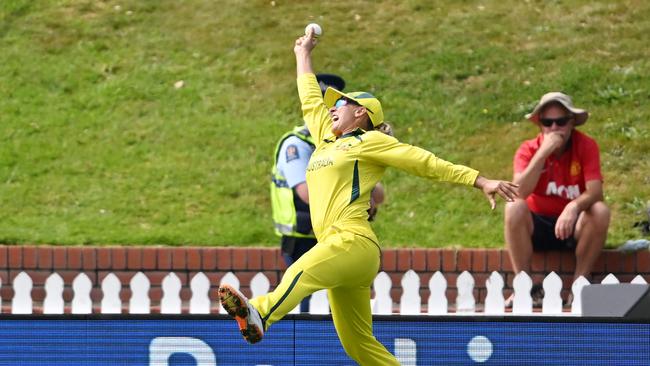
{"points": [[562, 179]]}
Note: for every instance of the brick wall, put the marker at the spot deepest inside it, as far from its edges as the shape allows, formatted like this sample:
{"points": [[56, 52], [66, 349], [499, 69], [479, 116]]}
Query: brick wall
{"points": [[156, 262]]}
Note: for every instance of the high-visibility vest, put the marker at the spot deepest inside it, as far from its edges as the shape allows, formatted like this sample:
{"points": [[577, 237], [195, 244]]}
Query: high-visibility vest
{"points": [[284, 210]]}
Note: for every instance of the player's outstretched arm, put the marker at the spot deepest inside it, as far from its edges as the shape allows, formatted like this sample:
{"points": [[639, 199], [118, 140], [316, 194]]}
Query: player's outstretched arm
{"points": [[507, 190]]}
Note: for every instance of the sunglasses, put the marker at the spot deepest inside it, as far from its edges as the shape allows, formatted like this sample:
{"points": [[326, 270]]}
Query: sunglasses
{"points": [[560, 122], [341, 102]]}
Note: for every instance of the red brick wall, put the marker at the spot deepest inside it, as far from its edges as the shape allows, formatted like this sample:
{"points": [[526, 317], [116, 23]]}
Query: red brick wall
{"points": [[156, 262]]}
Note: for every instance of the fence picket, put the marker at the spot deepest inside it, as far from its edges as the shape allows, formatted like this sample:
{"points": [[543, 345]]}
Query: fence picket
{"points": [[438, 303], [229, 279], [552, 302], [140, 302], [610, 279], [522, 302], [53, 303], [81, 302], [200, 301], [319, 304], [465, 302], [576, 290], [22, 301], [639, 280], [111, 288], [410, 303], [260, 284], [171, 300], [494, 301], [383, 302]]}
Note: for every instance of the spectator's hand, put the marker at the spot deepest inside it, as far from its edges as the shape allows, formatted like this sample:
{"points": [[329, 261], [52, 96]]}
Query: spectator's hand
{"points": [[507, 190], [552, 141], [305, 43], [566, 222]]}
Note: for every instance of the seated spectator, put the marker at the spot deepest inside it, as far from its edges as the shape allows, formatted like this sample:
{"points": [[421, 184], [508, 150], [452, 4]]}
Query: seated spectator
{"points": [[560, 204]]}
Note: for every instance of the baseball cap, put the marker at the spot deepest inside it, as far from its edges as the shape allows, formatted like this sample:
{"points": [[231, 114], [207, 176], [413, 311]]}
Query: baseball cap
{"points": [[581, 115], [365, 99]]}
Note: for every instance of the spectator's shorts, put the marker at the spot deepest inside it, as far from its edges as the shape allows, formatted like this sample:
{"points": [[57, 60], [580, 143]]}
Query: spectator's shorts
{"points": [[544, 235]]}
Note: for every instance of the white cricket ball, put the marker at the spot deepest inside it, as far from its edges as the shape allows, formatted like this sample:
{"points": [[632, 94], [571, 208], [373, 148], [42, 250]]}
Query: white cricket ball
{"points": [[318, 31]]}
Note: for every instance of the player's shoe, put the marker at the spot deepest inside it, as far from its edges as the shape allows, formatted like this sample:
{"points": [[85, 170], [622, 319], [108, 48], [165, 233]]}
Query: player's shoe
{"points": [[247, 317]]}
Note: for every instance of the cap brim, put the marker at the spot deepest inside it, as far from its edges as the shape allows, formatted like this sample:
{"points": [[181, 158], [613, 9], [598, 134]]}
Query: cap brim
{"points": [[332, 95]]}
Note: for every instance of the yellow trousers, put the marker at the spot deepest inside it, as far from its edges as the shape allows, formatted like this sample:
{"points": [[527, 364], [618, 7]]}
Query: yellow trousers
{"points": [[345, 264]]}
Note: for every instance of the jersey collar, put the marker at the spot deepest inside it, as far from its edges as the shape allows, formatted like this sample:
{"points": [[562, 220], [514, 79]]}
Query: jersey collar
{"points": [[358, 132]]}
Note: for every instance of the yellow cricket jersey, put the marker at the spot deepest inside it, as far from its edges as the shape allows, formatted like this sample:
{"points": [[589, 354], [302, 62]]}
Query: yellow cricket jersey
{"points": [[343, 171]]}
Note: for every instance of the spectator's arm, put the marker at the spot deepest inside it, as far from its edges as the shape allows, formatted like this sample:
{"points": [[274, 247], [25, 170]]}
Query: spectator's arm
{"points": [[567, 220], [592, 194], [528, 178], [302, 192]]}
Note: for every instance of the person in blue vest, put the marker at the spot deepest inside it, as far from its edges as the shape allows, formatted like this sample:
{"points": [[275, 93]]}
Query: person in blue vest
{"points": [[289, 193]]}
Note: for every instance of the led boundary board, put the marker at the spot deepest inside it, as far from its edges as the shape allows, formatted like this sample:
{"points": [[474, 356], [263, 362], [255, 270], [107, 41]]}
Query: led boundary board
{"points": [[209, 340]]}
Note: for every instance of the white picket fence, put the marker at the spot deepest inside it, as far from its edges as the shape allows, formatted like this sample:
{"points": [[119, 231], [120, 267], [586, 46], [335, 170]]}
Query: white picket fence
{"points": [[410, 302]]}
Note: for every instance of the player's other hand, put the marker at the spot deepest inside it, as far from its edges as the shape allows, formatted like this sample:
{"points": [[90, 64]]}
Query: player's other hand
{"points": [[507, 190]]}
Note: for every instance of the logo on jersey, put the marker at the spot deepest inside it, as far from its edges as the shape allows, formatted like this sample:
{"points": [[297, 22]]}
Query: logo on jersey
{"points": [[292, 153], [319, 163], [568, 192], [576, 168], [344, 146]]}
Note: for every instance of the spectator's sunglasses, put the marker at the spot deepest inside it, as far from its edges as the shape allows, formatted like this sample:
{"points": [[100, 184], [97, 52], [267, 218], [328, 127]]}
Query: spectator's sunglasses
{"points": [[560, 121]]}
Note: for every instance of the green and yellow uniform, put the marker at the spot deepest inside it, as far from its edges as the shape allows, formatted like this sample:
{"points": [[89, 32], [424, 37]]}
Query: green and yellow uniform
{"points": [[341, 174]]}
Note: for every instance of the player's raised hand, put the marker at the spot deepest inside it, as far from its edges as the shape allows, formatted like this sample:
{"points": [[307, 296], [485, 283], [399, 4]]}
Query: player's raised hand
{"points": [[306, 43]]}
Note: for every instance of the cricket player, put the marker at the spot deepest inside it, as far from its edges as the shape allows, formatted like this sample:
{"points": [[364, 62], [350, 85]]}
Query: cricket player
{"points": [[350, 158]]}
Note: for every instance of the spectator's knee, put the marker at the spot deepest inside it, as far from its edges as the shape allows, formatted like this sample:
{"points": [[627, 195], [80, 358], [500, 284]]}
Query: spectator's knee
{"points": [[516, 212], [600, 214]]}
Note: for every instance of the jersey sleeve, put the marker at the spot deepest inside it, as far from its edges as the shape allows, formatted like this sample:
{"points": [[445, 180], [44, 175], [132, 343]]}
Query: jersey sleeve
{"points": [[591, 161], [387, 150], [314, 111], [522, 157], [293, 158]]}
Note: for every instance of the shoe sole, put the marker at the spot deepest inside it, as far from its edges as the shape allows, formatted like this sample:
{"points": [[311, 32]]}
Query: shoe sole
{"points": [[235, 305]]}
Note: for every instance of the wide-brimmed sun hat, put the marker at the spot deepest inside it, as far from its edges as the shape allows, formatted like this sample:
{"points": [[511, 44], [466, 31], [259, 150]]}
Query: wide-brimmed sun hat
{"points": [[580, 115], [365, 99]]}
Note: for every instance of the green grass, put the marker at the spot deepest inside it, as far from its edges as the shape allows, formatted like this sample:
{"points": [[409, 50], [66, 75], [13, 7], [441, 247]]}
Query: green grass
{"points": [[97, 146]]}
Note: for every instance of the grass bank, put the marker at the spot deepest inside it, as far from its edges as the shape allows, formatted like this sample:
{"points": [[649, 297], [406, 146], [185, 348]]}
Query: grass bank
{"points": [[153, 122]]}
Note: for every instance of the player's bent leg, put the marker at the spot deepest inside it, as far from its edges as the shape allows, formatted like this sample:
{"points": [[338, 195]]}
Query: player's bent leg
{"points": [[326, 265], [353, 321], [292, 288], [247, 317]]}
